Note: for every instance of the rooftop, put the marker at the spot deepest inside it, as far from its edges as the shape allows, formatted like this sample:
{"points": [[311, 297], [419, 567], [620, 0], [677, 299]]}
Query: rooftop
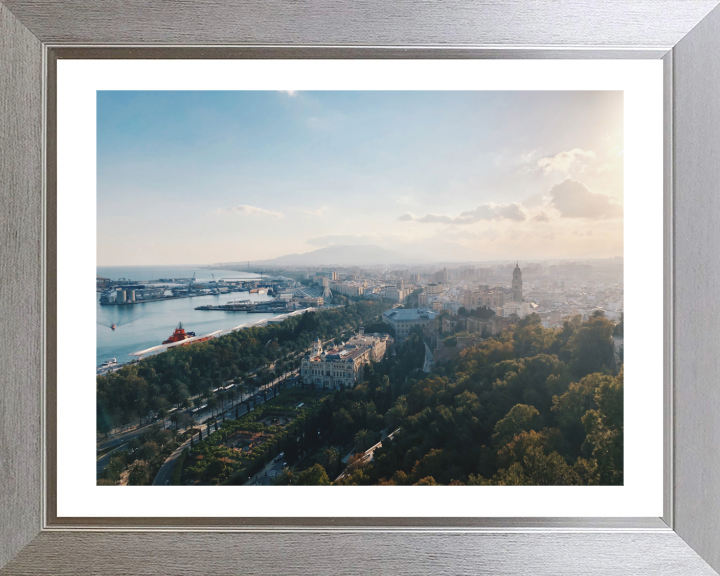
{"points": [[406, 315]]}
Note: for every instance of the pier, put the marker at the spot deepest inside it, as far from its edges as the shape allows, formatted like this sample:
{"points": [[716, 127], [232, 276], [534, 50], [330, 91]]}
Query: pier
{"points": [[248, 306]]}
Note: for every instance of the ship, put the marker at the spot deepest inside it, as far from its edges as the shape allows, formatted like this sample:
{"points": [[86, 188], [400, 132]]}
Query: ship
{"points": [[107, 366], [179, 335]]}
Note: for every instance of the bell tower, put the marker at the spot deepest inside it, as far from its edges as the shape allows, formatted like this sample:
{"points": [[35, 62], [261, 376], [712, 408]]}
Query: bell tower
{"points": [[517, 284]]}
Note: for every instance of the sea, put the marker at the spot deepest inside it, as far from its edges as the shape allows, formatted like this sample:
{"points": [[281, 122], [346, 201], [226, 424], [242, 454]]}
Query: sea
{"points": [[145, 325]]}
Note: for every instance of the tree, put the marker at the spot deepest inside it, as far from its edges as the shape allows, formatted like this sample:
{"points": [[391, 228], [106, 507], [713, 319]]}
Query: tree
{"points": [[572, 406], [165, 437], [139, 475], [149, 450], [604, 426], [427, 481], [313, 476], [363, 440], [592, 348], [212, 404], [329, 458], [342, 423], [520, 418]]}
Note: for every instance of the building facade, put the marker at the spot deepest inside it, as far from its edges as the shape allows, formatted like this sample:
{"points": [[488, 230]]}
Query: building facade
{"points": [[335, 367], [404, 320], [379, 343], [492, 298]]}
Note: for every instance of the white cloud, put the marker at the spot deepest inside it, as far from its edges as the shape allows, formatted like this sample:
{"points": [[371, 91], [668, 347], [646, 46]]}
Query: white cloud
{"points": [[573, 200], [317, 212], [489, 211], [245, 210], [563, 161], [291, 93]]}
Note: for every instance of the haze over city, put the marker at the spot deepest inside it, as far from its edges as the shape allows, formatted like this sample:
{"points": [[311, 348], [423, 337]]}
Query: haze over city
{"points": [[381, 177]]}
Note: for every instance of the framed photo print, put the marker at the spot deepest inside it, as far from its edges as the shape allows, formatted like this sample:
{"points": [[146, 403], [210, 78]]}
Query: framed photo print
{"points": [[285, 289]]}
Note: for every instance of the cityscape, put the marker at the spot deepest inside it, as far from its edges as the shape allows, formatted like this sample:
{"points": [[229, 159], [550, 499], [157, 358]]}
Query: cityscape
{"points": [[479, 349]]}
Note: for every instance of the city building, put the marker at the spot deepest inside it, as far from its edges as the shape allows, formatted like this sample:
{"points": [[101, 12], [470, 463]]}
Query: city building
{"points": [[348, 288], [341, 366], [490, 298], [453, 324], [478, 325], [500, 323], [520, 309], [404, 320], [379, 343], [433, 289], [441, 276], [517, 284]]}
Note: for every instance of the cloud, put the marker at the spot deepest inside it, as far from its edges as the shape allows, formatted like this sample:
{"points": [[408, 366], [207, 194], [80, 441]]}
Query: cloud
{"points": [[245, 210], [562, 161], [291, 93], [542, 217], [490, 211], [341, 240], [573, 200], [318, 212]]}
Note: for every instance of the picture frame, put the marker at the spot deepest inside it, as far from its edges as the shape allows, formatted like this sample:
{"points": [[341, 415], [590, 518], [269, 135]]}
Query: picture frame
{"points": [[684, 34]]}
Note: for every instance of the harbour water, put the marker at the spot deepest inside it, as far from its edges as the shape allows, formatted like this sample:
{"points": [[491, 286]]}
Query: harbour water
{"points": [[145, 325]]}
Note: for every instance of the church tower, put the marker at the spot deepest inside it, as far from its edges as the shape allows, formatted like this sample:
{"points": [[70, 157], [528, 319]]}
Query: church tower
{"points": [[517, 284]]}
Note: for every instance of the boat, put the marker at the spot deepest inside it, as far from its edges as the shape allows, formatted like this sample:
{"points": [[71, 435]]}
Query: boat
{"points": [[107, 365], [178, 335]]}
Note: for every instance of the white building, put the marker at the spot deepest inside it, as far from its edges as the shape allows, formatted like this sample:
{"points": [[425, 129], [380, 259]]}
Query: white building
{"points": [[521, 309], [340, 366]]}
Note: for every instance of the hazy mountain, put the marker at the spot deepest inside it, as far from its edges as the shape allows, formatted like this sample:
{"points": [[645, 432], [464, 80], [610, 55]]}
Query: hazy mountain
{"points": [[337, 255], [366, 255]]}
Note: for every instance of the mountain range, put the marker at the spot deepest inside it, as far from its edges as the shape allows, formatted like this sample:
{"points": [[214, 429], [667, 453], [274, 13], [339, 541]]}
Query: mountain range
{"points": [[368, 254]]}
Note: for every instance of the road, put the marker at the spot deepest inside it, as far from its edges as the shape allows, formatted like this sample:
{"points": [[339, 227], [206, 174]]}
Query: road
{"points": [[166, 470], [104, 460], [266, 476]]}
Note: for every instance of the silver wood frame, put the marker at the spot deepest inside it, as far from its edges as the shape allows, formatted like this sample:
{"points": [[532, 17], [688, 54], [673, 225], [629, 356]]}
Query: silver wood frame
{"points": [[684, 33]]}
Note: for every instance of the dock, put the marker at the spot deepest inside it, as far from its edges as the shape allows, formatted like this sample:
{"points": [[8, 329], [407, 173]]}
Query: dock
{"points": [[258, 307]]}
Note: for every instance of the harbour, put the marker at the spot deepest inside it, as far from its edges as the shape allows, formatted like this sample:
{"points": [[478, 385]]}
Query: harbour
{"points": [[144, 325]]}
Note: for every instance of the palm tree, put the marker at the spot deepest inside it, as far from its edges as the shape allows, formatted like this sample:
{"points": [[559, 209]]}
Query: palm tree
{"points": [[212, 404], [362, 440]]}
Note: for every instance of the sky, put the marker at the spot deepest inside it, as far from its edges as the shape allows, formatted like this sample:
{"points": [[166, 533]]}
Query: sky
{"points": [[207, 177]]}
